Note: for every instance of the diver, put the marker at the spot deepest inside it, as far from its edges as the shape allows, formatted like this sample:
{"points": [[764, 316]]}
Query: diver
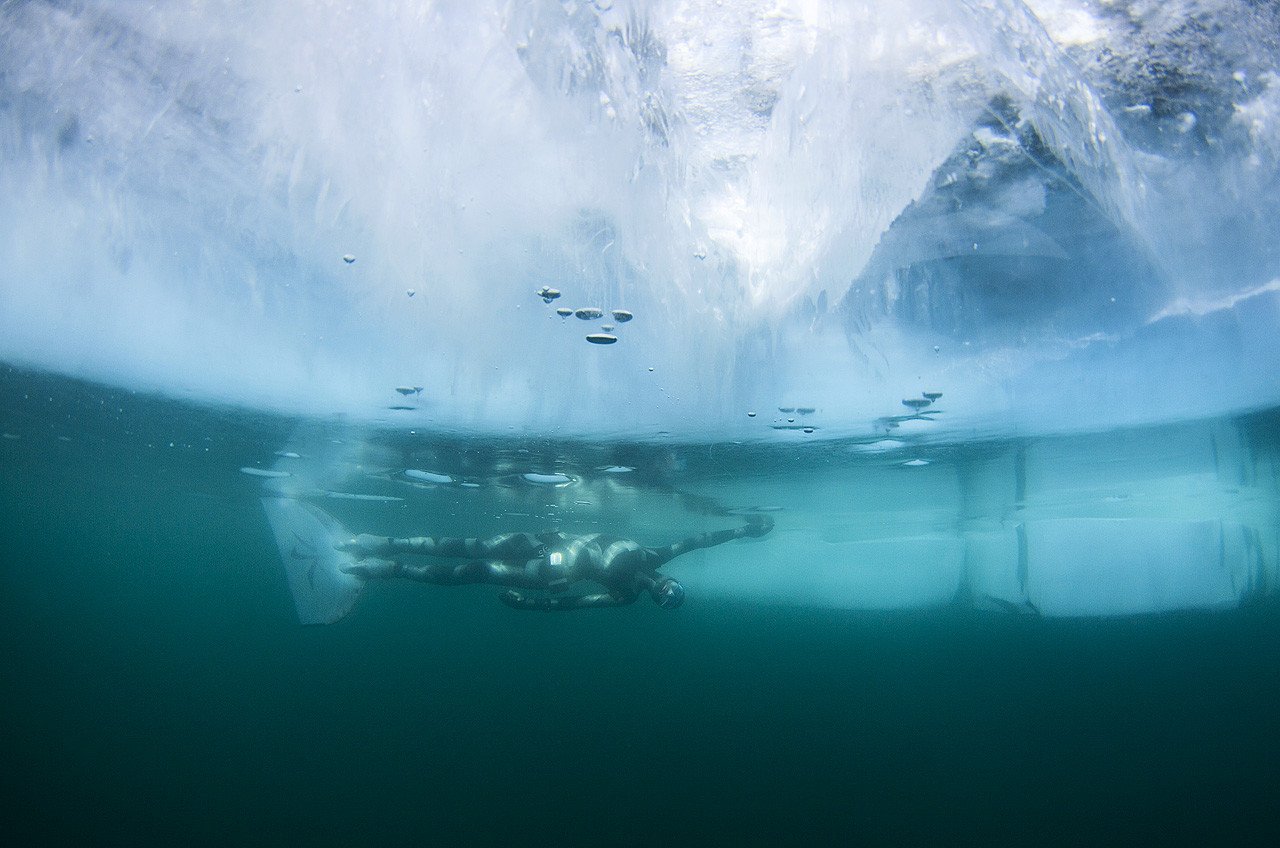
{"points": [[545, 562]]}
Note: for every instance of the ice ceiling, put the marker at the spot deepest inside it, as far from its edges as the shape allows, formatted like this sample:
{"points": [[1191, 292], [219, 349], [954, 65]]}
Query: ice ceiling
{"points": [[1060, 214]]}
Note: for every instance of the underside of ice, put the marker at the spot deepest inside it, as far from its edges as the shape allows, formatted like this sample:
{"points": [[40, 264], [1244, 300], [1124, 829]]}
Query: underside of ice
{"points": [[1060, 214]]}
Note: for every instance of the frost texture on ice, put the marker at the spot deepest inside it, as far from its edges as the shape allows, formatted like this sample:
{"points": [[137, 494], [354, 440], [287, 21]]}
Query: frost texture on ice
{"points": [[1060, 213]]}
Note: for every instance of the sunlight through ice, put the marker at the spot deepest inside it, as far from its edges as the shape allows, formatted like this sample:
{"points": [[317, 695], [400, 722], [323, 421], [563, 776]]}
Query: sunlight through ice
{"points": [[847, 203]]}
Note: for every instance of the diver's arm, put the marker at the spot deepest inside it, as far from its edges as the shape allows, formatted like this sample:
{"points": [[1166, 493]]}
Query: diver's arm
{"points": [[515, 600], [708, 540]]}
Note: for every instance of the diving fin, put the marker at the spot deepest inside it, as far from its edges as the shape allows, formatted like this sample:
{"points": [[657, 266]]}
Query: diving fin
{"points": [[305, 535]]}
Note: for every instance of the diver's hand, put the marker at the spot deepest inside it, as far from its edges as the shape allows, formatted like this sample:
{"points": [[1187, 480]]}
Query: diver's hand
{"points": [[757, 526]]}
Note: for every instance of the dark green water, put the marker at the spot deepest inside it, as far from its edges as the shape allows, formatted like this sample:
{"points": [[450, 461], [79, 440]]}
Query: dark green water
{"points": [[156, 689]]}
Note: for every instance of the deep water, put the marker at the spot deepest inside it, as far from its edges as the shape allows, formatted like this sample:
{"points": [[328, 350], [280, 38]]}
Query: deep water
{"points": [[156, 688]]}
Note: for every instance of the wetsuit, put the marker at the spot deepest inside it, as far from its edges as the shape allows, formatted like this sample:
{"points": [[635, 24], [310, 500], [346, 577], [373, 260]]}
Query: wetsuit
{"points": [[543, 561]]}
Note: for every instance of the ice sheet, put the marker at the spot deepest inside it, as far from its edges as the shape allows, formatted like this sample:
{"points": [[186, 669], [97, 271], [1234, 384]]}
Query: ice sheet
{"points": [[830, 205]]}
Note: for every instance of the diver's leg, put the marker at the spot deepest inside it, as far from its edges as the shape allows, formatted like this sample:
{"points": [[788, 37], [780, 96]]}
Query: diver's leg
{"points": [[508, 546], [512, 547], [447, 574]]}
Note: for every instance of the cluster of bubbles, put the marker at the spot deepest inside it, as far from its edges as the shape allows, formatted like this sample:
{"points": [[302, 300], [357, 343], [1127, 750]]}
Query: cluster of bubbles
{"points": [[786, 419], [406, 392], [549, 295], [922, 409], [589, 313]]}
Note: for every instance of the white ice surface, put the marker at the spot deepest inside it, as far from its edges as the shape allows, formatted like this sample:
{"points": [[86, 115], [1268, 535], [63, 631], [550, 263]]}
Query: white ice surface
{"points": [[179, 186]]}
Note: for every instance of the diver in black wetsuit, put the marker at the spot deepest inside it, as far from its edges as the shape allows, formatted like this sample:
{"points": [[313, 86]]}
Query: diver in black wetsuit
{"points": [[544, 561]]}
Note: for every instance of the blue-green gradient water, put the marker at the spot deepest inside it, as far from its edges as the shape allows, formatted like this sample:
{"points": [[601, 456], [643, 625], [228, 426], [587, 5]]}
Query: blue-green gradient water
{"points": [[977, 300], [157, 688]]}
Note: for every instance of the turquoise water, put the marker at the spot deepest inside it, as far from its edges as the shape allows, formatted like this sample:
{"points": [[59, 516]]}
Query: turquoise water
{"points": [[976, 301], [158, 688]]}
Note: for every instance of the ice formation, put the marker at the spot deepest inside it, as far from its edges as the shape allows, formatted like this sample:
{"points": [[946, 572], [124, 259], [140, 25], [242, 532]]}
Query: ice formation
{"points": [[1059, 212]]}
